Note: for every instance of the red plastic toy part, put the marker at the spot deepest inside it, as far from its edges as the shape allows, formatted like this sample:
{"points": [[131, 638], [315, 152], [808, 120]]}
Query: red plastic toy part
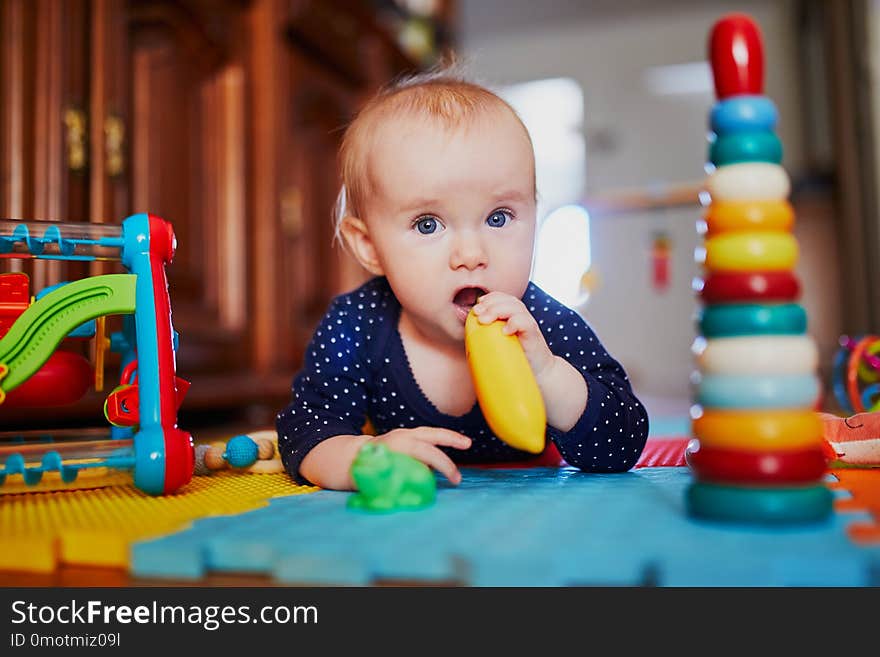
{"points": [[63, 379], [737, 57]]}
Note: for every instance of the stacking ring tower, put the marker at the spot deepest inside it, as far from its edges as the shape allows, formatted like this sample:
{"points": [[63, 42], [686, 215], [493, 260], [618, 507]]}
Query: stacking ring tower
{"points": [[758, 456]]}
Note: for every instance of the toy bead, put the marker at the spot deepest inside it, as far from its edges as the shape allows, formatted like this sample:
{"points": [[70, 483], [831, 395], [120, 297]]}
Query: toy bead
{"points": [[743, 114], [737, 56], [266, 449], [727, 287], [214, 458], [759, 430], [766, 354], [731, 216], [751, 251], [241, 451], [749, 181], [758, 391]]}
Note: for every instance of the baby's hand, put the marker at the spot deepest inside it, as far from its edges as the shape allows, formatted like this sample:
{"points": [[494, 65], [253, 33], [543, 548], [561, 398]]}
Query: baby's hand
{"points": [[421, 443], [498, 305]]}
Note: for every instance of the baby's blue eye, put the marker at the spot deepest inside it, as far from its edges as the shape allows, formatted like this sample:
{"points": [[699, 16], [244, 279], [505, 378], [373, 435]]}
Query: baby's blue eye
{"points": [[426, 225], [498, 219]]}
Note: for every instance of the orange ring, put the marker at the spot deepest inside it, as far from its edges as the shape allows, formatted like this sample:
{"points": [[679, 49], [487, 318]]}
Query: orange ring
{"points": [[759, 431], [727, 216], [852, 372]]}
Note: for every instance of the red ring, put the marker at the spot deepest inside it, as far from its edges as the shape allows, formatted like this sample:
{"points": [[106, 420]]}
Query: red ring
{"points": [[749, 467], [726, 287]]}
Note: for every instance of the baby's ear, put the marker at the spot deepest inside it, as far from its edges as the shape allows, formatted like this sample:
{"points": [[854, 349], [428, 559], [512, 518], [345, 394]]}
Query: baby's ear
{"points": [[357, 237]]}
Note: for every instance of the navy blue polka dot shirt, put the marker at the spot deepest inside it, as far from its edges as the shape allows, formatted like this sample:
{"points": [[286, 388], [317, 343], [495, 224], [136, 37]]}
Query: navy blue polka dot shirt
{"points": [[355, 368]]}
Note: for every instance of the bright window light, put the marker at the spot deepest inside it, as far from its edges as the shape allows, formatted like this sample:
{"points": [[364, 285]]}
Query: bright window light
{"points": [[563, 254], [680, 79], [553, 112]]}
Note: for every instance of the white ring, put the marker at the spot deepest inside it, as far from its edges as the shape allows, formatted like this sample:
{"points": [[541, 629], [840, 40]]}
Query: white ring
{"points": [[749, 181], [766, 354]]}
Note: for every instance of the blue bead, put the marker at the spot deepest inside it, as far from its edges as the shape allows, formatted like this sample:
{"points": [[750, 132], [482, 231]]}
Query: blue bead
{"points": [[772, 391], [241, 452], [743, 114]]}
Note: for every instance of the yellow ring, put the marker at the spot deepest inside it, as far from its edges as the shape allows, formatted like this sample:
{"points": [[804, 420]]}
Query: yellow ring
{"points": [[761, 431], [751, 251], [727, 216]]}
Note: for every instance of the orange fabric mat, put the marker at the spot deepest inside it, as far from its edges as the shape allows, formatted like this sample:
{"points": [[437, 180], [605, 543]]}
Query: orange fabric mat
{"points": [[863, 484]]}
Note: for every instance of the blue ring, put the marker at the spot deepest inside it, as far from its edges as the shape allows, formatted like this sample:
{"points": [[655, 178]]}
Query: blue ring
{"points": [[745, 113], [777, 505], [771, 391], [741, 319], [745, 147]]}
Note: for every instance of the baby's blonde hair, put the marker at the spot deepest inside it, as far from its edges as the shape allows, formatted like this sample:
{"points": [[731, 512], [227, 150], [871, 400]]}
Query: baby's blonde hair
{"points": [[442, 94]]}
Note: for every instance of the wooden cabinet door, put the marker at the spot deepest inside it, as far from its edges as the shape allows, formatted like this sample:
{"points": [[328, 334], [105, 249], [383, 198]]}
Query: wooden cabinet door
{"points": [[44, 123], [314, 266], [188, 166]]}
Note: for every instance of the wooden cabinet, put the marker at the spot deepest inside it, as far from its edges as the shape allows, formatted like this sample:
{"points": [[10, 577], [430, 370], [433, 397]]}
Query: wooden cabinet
{"points": [[224, 118]]}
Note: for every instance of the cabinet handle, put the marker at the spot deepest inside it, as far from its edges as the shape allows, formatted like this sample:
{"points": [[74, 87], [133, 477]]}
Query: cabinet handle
{"points": [[114, 145], [75, 122], [291, 213]]}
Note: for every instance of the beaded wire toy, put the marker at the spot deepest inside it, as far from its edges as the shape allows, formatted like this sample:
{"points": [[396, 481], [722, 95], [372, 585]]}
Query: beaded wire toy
{"points": [[255, 453]]}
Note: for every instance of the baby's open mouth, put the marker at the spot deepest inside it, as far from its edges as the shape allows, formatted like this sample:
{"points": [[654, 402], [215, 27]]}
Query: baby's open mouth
{"points": [[466, 297]]}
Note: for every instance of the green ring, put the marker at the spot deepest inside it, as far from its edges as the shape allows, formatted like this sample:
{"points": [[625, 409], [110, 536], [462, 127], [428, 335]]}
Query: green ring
{"points": [[746, 147], [740, 319], [777, 505]]}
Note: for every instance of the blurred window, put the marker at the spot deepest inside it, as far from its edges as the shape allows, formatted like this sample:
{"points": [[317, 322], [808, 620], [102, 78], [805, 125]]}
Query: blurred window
{"points": [[553, 112]]}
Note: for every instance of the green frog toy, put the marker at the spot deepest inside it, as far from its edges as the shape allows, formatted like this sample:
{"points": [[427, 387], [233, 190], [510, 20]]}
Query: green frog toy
{"points": [[390, 481]]}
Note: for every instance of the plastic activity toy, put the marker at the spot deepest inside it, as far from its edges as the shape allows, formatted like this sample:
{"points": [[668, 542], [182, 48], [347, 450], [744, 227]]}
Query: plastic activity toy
{"points": [[390, 481], [856, 374], [758, 456], [505, 385], [146, 442]]}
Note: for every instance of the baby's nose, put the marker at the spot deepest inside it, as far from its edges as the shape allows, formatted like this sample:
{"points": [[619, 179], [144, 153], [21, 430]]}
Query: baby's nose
{"points": [[469, 252]]}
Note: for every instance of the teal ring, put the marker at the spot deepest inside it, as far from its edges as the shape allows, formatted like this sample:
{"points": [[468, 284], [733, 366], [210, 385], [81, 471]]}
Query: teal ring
{"points": [[742, 319], [777, 505], [771, 391], [745, 147]]}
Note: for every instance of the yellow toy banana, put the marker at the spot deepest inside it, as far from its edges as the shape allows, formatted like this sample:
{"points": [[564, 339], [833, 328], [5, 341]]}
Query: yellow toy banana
{"points": [[506, 388]]}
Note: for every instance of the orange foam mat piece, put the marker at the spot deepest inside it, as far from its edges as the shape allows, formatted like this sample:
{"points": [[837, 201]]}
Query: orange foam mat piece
{"points": [[863, 484], [96, 527]]}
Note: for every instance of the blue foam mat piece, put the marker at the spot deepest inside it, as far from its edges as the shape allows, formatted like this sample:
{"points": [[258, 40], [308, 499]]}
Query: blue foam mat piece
{"points": [[524, 527]]}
